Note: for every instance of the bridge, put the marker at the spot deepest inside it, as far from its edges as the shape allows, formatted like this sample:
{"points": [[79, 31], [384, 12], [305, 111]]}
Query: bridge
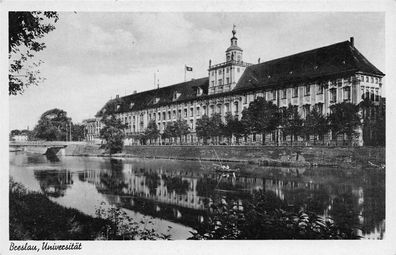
{"points": [[41, 147]]}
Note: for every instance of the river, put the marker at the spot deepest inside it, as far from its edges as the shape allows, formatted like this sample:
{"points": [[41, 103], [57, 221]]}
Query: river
{"points": [[176, 193]]}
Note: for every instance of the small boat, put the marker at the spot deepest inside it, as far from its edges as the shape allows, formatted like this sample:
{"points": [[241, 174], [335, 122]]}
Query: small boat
{"points": [[224, 168]]}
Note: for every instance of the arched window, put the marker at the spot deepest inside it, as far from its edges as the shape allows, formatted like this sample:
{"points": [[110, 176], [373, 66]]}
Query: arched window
{"points": [[333, 95], [347, 93], [236, 107]]}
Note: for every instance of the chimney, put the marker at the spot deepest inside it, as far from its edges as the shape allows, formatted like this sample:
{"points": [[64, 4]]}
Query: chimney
{"points": [[258, 60], [117, 96], [352, 40], [134, 92]]}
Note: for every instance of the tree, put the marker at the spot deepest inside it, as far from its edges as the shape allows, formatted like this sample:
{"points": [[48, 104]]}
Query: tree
{"points": [[292, 122], [373, 121], [316, 124], [151, 131], [261, 117], [13, 133], [380, 124], [113, 134], [25, 31], [227, 131], [203, 128], [169, 131], [181, 128], [233, 127], [344, 119], [113, 130], [78, 132], [216, 126], [53, 125]]}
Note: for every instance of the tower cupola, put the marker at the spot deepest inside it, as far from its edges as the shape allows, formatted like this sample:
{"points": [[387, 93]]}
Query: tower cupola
{"points": [[234, 52]]}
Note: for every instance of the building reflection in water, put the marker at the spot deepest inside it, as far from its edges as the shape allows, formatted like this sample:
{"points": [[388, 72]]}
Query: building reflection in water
{"points": [[184, 196]]}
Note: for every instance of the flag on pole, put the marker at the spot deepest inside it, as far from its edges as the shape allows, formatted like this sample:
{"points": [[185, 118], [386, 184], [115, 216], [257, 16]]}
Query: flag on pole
{"points": [[189, 69]]}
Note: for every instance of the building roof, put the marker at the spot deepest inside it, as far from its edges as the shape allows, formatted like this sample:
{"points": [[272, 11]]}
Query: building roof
{"points": [[320, 63], [158, 97]]}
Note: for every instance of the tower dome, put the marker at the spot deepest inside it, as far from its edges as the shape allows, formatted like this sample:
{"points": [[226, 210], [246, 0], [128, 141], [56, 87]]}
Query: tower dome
{"points": [[234, 52], [234, 41]]}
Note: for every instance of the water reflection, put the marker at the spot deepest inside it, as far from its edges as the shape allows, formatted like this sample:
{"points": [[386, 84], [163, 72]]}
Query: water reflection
{"points": [[184, 196], [52, 157], [182, 191], [54, 183]]}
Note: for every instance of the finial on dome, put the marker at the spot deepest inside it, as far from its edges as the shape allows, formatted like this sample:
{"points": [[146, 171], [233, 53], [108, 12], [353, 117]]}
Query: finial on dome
{"points": [[234, 30]]}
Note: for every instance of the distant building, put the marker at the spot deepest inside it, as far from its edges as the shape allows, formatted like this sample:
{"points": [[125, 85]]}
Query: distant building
{"points": [[19, 135], [20, 138], [320, 77], [92, 129]]}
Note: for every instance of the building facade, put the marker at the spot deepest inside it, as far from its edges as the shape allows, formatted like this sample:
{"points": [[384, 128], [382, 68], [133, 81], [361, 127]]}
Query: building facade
{"points": [[320, 77]]}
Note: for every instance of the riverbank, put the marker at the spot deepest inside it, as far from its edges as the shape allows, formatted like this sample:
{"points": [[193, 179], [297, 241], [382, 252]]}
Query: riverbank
{"points": [[35, 217], [299, 156]]}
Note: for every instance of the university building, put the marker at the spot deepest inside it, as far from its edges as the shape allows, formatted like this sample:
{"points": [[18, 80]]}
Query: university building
{"points": [[320, 77]]}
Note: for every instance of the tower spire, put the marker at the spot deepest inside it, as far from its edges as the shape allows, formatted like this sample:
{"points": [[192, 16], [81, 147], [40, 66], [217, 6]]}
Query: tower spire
{"points": [[234, 40]]}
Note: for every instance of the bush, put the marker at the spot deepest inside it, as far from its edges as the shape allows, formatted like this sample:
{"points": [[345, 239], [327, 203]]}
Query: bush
{"points": [[120, 226], [258, 218]]}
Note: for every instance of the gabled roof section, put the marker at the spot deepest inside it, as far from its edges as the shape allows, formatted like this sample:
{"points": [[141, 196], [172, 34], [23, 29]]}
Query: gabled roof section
{"points": [[162, 96], [315, 64]]}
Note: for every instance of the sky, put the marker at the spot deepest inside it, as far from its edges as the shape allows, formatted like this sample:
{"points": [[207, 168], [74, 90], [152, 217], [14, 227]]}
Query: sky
{"points": [[91, 57]]}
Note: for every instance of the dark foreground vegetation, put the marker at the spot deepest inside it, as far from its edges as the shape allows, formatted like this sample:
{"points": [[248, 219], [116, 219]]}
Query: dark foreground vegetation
{"points": [[34, 217], [264, 216]]}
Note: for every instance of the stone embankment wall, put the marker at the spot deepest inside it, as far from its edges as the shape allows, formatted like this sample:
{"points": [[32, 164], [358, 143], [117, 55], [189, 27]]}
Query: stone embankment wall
{"points": [[267, 155], [264, 155], [83, 149]]}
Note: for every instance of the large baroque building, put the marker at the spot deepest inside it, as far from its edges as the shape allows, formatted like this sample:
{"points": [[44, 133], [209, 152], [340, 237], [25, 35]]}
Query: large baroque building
{"points": [[320, 77]]}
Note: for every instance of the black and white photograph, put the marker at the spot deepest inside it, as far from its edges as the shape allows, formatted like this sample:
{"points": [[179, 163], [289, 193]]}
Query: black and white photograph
{"points": [[166, 126]]}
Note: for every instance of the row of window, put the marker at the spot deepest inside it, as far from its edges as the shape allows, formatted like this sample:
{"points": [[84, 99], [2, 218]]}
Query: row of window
{"points": [[370, 79], [295, 92], [367, 92], [173, 114], [370, 93], [283, 93], [307, 90], [220, 82], [220, 71], [346, 94]]}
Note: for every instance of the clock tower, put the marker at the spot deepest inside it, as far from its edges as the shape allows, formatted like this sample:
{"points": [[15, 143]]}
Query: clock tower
{"points": [[224, 76]]}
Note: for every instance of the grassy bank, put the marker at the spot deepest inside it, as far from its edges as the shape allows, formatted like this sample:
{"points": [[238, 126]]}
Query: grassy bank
{"points": [[34, 217]]}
